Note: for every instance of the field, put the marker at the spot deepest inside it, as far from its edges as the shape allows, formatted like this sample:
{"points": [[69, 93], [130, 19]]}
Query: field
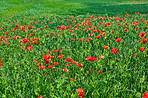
{"points": [[73, 48]]}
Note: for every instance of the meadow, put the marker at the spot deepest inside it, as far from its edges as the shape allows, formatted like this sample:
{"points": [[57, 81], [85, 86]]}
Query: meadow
{"points": [[73, 49]]}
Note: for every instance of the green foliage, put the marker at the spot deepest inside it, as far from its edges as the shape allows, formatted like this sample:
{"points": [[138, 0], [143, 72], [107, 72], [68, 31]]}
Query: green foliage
{"points": [[72, 7], [123, 74]]}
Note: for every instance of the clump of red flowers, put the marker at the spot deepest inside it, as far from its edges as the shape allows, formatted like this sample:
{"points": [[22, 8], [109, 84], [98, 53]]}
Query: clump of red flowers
{"points": [[91, 58], [68, 60], [100, 72], [0, 61], [145, 95], [41, 96], [81, 93], [80, 65], [118, 39], [125, 30], [72, 79], [142, 49], [144, 41], [114, 51], [106, 47], [142, 34]]}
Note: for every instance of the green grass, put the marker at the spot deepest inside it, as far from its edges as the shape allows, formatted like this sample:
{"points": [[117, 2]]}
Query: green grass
{"points": [[72, 7], [124, 76]]}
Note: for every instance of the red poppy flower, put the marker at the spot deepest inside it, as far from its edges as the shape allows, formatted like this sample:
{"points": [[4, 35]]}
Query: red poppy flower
{"points": [[98, 30], [105, 25], [94, 31], [50, 66], [60, 56], [55, 51], [0, 64], [7, 37], [142, 49], [106, 47], [71, 30], [118, 23], [65, 70], [136, 29], [29, 27], [125, 30], [0, 60], [114, 51], [85, 30], [49, 52], [33, 39], [59, 35], [25, 47], [81, 95], [144, 41], [35, 61], [60, 50], [118, 39], [0, 42], [74, 62], [142, 34], [101, 57], [51, 57], [42, 67], [100, 72], [103, 34], [72, 39], [86, 40], [46, 56], [37, 38], [40, 96], [25, 40], [90, 34], [81, 39], [16, 25], [42, 28], [134, 55], [72, 79], [68, 60], [91, 58], [56, 63], [90, 72], [90, 38], [145, 95], [108, 23], [147, 22], [31, 34], [112, 31], [80, 65], [47, 61], [74, 34], [79, 90], [125, 24], [14, 38], [35, 42]]}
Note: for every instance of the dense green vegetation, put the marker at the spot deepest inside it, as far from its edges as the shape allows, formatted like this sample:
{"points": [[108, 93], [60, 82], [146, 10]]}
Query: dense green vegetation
{"points": [[72, 7], [73, 48]]}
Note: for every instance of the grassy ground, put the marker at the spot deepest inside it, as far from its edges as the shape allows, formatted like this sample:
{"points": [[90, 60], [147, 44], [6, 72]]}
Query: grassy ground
{"points": [[73, 7], [40, 27]]}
